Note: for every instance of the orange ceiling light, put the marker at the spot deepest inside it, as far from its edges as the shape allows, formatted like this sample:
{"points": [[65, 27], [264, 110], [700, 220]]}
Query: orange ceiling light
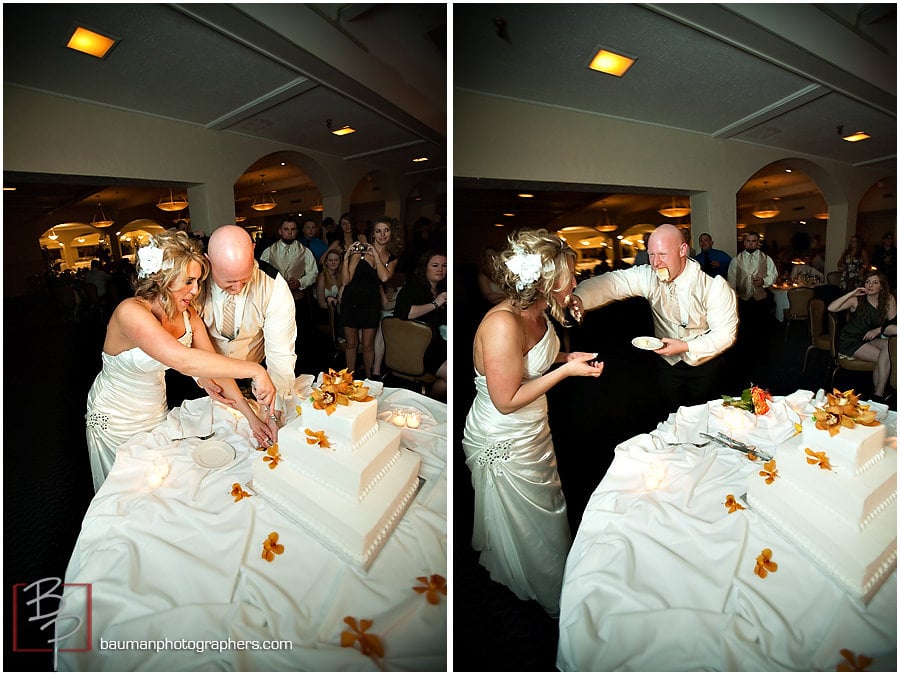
{"points": [[855, 138], [606, 61], [90, 42]]}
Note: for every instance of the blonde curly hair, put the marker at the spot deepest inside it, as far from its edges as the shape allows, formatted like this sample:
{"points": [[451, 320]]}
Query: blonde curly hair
{"points": [[553, 272], [179, 250]]}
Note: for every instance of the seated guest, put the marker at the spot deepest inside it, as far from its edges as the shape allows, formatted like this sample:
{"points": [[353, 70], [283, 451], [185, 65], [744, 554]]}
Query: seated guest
{"points": [[424, 298], [873, 318]]}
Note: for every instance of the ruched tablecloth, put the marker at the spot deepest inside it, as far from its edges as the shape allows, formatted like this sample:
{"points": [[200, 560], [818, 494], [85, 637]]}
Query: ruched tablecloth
{"points": [[184, 562], [663, 580]]}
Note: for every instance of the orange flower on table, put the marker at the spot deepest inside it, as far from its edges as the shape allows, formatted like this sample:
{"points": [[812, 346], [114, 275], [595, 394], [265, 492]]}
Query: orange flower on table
{"points": [[764, 564], [299, 411], [369, 643], [238, 492], [760, 398], [273, 457], [317, 438], [433, 589], [732, 504], [853, 663], [819, 458], [769, 472], [271, 547]]}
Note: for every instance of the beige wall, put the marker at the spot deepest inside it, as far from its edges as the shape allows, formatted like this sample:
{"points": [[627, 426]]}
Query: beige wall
{"points": [[503, 139]]}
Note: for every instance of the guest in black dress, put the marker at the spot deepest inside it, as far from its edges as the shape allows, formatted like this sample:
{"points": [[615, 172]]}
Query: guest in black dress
{"points": [[424, 298], [365, 267]]}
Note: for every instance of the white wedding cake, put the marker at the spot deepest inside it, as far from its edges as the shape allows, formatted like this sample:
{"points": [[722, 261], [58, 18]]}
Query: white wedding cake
{"points": [[339, 471], [831, 490]]}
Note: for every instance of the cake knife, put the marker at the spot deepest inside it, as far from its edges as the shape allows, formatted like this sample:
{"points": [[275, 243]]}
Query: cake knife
{"points": [[737, 445]]}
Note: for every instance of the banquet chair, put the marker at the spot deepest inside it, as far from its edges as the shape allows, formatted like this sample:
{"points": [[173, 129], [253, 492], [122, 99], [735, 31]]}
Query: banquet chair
{"points": [[405, 342], [798, 307], [819, 335], [833, 278], [838, 361]]}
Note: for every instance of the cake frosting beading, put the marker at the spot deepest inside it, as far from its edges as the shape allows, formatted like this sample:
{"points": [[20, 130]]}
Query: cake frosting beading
{"points": [[340, 473]]}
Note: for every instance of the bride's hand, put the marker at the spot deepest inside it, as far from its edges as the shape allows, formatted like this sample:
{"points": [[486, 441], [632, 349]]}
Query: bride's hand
{"points": [[262, 431], [584, 363]]}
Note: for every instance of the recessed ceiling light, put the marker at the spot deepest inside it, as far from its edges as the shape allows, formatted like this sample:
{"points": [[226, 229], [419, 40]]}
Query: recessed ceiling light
{"points": [[7, 189], [509, 215], [89, 42], [499, 225], [420, 159], [609, 62], [525, 195], [344, 130], [858, 136]]}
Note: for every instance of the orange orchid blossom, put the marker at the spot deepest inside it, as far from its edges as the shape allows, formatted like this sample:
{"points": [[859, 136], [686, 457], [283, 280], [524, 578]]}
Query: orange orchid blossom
{"points": [[317, 438], [369, 643], [764, 564], [819, 458], [853, 663], [769, 472], [843, 409], [732, 504], [433, 588], [338, 388], [273, 457], [238, 492], [271, 547], [760, 398]]}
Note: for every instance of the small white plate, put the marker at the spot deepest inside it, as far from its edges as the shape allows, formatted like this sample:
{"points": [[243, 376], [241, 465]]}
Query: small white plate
{"points": [[213, 454], [650, 343]]}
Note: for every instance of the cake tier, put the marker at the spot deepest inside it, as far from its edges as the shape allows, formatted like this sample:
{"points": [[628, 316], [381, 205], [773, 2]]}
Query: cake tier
{"points": [[851, 497], [356, 531], [348, 427], [853, 448], [859, 561], [352, 475]]}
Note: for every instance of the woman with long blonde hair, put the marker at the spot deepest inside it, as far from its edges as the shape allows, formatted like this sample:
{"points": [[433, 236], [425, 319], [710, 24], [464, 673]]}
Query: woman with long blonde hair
{"points": [[521, 526], [157, 329]]}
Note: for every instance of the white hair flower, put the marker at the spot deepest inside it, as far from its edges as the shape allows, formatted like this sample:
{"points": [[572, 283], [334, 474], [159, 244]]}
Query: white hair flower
{"points": [[527, 267], [151, 260]]}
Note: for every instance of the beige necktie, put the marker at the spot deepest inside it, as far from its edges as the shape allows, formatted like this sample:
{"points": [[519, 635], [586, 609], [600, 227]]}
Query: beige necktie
{"points": [[228, 317], [673, 307]]}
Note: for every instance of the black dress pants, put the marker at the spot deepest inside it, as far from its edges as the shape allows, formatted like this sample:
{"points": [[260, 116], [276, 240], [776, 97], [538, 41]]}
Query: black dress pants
{"points": [[681, 384]]}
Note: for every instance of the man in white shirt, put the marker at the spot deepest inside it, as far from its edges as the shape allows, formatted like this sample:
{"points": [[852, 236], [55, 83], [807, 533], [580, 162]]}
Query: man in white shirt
{"points": [[750, 273], [694, 315], [249, 315]]}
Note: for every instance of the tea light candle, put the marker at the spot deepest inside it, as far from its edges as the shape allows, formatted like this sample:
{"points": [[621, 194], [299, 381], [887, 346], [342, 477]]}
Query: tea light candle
{"points": [[413, 418], [398, 418], [654, 474], [154, 479]]}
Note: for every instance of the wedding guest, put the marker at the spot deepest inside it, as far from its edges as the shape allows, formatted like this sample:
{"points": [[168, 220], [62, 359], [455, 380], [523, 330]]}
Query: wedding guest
{"points": [[365, 267], [694, 315], [521, 527], [346, 235], [750, 273], [424, 298], [329, 282], [853, 264], [329, 229], [299, 267], [885, 258], [872, 319], [642, 257], [713, 261], [249, 315], [490, 291], [310, 239], [156, 329]]}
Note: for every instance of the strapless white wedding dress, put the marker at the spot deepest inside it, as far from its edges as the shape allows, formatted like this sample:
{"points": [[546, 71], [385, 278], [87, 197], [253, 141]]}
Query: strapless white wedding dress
{"points": [[521, 526], [128, 396]]}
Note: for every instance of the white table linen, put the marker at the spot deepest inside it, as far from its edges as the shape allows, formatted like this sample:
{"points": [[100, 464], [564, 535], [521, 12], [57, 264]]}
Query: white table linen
{"points": [[663, 580], [184, 562]]}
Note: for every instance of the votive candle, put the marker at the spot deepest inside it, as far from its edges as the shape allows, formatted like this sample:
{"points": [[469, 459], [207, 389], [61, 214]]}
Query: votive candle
{"points": [[412, 419]]}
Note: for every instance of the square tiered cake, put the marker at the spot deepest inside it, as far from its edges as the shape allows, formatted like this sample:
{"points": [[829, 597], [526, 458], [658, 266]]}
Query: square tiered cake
{"points": [[832, 491], [339, 472]]}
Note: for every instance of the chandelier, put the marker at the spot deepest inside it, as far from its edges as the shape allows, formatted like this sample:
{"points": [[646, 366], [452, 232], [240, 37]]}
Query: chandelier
{"points": [[100, 219], [675, 210], [768, 209], [606, 225], [171, 203], [266, 200], [52, 236]]}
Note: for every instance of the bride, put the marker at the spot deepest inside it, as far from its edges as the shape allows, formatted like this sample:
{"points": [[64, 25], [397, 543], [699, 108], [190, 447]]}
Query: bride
{"points": [[521, 527], [157, 329]]}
